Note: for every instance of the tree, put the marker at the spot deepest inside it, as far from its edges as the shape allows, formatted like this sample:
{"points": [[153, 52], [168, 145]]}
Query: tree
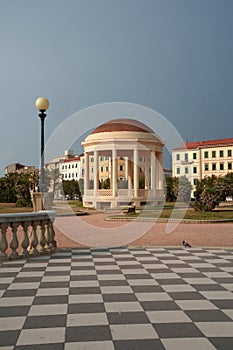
{"points": [[171, 188], [211, 190], [71, 189], [15, 188]]}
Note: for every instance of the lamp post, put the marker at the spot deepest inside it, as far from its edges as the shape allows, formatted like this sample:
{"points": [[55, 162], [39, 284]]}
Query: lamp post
{"points": [[42, 104]]}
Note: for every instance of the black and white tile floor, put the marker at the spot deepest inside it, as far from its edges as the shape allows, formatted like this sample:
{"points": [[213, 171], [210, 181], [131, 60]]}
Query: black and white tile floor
{"points": [[119, 298]]}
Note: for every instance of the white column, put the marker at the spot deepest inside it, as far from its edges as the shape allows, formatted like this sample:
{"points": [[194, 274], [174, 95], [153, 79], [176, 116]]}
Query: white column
{"points": [[96, 173], [130, 186], [126, 168], [159, 157], [153, 170], [146, 172], [86, 172], [135, 172], [114, 172]]}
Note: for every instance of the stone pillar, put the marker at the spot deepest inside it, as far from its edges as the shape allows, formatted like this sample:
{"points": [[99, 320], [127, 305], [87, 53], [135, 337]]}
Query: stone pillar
{"points": [[130, 182], [126, 168], [159, 161], [114, 172], [86, 172], [153, 171], [135, 172], [146, 172], [96, 174]]}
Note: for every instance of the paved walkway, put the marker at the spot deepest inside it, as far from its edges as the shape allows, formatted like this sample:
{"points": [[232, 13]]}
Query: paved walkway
{"points": [[94, 230], [118, 298]]}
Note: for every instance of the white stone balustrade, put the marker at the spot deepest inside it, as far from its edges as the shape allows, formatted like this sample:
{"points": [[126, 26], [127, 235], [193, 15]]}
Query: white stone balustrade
{"points": [[27, 234]]}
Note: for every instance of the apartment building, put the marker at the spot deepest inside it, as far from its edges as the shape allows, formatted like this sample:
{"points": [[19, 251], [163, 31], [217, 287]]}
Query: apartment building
{"points": [[197, 160]]}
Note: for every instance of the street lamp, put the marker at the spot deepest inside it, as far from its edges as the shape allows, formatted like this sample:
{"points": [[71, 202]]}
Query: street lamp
{"points": [[42, 104]]}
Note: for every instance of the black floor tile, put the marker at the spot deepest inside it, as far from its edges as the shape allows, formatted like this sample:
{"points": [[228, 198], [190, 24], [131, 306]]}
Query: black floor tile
{"points": [[177, 330], [85, 307], [8, 338], [207, 315], [222, 343], [127, 318], [145, 344], [88, 333], [45, 321]]}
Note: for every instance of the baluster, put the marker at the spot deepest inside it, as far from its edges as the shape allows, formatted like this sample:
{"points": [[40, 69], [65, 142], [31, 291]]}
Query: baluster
{"points": [[47, 236], [40, 236], [14, 242], [33, 241], [25, 239], [53, 243], [3, 241]]}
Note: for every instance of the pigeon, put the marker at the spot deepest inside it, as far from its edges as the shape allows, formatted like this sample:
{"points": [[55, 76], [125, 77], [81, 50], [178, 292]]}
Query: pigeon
{"points": [[186, 244]]}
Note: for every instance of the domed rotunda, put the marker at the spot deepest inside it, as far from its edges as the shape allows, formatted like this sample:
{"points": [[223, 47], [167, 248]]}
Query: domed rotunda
{"points": [[123, 165]]}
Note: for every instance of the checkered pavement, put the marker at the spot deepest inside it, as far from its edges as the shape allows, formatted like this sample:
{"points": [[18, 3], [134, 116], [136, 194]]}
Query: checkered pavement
{"points": [[118, 298]]}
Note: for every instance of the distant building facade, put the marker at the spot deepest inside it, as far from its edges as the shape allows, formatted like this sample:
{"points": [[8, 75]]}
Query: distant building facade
{"points": [[197, 160], [19, 168]]}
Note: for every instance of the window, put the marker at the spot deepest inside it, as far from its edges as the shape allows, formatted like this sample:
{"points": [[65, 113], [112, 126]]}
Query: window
{"points": [[178, 170], [76, 174], [76, 165], [213, 166], [72, 165], [229, 153], [206, 154], [177, 157], [69, 175], [101, 169], [92, 160], [195, 181], [82, 172], [106, 168], [186, 170], [140, 159], [72, 174], [101, 159], [62, 166], [194, 169], [69, 166], [186, 157], [213, 154], [194, 155], [229, 166], [92, 170], [121, 167], [206, 167], [221, 166], [221, 153], [66, 166]]}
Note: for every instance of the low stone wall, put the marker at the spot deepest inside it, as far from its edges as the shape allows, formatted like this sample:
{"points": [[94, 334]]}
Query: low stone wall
{"points": [[27, 234]]}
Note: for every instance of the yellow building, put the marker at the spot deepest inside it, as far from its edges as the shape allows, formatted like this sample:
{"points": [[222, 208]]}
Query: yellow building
{"points": [[197, 160]]}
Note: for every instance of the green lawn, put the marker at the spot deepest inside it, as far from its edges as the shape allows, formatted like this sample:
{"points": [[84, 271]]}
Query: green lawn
{"points": [[221, 213]]}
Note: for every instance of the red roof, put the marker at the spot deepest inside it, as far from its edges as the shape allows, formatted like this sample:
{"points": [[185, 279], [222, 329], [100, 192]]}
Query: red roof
{"points": [[206, 143], [122, 125], [72, 159]]}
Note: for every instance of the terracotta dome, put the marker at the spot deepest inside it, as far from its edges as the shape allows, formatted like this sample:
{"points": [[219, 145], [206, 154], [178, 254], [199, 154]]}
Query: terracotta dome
{"points": [[119, 125]]}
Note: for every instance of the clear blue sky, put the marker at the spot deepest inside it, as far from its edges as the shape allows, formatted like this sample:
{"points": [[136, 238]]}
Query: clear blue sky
{"points": [[174, 56]]}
